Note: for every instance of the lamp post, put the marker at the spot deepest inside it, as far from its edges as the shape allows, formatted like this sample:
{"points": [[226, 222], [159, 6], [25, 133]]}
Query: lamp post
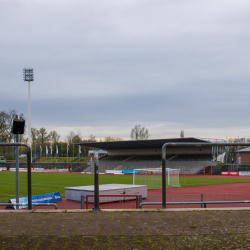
{"points": [[28, 76], [17, 129]]}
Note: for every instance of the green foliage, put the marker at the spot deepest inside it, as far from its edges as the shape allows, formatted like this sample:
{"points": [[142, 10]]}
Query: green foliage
{"points": [[61, 159], [110, 138], [43, 183], [10, 157]]}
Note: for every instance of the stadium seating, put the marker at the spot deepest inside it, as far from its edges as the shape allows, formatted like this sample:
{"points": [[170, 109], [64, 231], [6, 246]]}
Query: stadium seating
{"points": [[185, 157]]}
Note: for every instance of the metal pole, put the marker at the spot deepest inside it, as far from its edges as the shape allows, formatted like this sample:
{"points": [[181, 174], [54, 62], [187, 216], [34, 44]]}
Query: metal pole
{"points": [[133, 177], [96, 207], [185, 169], [17, 172], [168, 177], [29, 177], [29, 117], [82, 201], [139, 201], [164, 176], [84, 154], [29, 167]]}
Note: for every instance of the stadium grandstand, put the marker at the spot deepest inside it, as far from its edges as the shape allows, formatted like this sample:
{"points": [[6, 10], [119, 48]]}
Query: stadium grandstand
{"points": [[139, 154]]}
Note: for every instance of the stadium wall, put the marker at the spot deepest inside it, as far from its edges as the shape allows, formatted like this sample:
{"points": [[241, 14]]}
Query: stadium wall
{"points": [[76, 167], [186, 167]]}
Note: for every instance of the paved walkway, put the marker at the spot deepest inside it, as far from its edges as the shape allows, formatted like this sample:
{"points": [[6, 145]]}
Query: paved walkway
{"points": [[81, 229]]}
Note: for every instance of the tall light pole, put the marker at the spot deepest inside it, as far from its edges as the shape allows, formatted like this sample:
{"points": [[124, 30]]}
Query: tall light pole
{"points": [[28, 76]]}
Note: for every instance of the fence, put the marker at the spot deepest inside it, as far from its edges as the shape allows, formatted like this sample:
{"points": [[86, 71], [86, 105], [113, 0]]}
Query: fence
{"points": [[199, 201], [113, 201], [12, 205], [152, 201]]}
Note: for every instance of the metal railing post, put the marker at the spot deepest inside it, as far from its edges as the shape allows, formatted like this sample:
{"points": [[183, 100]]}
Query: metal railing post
{"points": [[194, 203], [201, 200], [139, 201], [96, 191], [164, 177], [29, 167], [17, 172], [82, 201], [25, 204]]}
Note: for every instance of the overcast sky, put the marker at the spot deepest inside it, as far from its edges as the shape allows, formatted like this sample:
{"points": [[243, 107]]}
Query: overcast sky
{"points": [[101, 67]]}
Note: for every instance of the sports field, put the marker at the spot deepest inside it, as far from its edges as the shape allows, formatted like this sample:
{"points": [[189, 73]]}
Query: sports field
{"points": [[43, 183]]}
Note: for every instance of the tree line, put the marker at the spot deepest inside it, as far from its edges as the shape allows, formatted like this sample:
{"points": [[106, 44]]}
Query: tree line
{"points": [[235, 148], [43, 140]]}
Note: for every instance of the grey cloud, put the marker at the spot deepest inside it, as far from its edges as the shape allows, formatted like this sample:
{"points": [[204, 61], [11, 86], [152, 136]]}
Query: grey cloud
{"points": [[127, 62]]}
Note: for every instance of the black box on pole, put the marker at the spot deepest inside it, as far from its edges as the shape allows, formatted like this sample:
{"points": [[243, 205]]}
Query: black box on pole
{"points": [[18, 126]]}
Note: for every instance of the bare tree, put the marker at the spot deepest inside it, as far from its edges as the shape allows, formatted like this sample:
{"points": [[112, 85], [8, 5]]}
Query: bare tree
{"points": [[6, 120], [5, 126], [43, 135], [182, 134], [139, 133], [54, 136], [70, 137], [243, 139], [34, 134], [236, 140], [91, 138]]}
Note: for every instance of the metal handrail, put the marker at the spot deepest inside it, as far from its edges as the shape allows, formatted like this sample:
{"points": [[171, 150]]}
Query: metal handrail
{"points": [[26, 204], [16, 144], [192, 203], [186, 144]]}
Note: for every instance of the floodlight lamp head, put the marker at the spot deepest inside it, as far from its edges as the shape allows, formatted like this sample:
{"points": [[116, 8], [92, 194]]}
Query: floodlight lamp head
{"points": [[28, 75], [18, 126]]}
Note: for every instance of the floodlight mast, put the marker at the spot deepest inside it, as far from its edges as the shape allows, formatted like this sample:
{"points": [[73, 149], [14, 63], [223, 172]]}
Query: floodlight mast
{"points": [[28, 76]]}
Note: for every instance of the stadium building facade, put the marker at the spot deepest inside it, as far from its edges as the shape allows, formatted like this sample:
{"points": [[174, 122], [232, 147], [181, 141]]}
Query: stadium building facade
{"points": [[138, 154]]}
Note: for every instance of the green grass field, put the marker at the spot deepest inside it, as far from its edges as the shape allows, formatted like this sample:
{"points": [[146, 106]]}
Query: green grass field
{"points": [[43, 183]]}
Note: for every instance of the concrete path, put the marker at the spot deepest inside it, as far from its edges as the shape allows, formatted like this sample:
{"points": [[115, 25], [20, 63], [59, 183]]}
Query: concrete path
{"points": [[81, 229]]}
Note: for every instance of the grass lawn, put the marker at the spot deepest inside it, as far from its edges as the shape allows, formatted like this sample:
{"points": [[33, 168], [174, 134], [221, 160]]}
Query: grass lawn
{"points": [[195, 181], [43, 183]]}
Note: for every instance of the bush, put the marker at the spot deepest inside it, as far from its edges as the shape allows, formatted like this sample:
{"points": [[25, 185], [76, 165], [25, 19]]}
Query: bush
{"points": [[10, 157]]}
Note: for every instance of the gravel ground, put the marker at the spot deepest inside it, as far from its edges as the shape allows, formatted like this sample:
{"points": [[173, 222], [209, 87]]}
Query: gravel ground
{"points": [[207, 229]]}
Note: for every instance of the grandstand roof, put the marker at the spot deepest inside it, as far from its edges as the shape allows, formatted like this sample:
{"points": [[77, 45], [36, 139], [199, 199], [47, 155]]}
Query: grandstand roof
{"points": [[244, 150], [137, 144]]}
